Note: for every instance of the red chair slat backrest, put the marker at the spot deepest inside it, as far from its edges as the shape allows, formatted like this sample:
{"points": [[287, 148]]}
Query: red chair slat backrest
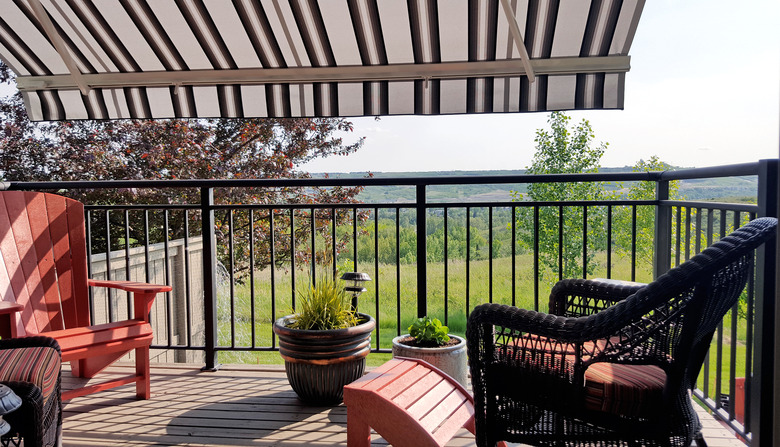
{"points": [[43, 260]]}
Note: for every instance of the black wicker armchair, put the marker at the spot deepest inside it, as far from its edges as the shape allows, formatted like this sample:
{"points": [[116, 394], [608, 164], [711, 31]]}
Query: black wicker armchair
{"points": [[31, 368], [615, 362]]}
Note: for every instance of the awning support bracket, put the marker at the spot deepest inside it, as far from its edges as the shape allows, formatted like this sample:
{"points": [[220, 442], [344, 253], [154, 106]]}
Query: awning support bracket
{"points": [[59, 45], [515, 30]]}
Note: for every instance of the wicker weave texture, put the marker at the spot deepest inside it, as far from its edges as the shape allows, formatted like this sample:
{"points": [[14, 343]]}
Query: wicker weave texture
{"points": [[528, 367]]}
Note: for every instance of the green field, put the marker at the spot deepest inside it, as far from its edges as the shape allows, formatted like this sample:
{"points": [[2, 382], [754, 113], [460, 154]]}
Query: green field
{"points": [[397, 290]]}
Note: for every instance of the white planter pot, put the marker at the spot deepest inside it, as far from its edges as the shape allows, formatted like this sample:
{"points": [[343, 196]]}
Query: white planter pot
{"points": [[450, 359]]}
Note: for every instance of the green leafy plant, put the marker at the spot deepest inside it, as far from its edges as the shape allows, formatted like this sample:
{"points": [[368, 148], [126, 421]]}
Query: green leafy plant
{"points": [[324, 306], [429, 331]]}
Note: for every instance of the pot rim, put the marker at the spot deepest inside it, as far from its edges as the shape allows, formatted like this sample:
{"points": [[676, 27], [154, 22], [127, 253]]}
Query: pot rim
{"points": [[280, 328], [461, 344]]}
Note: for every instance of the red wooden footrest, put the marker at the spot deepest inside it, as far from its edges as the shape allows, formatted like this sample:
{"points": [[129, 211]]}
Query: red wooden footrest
{"points": [[409, 402]]}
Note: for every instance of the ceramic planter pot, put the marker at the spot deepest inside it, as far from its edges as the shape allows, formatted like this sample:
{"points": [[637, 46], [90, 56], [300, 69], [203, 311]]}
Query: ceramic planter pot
{"points": [[450, 359], [319, 363]]}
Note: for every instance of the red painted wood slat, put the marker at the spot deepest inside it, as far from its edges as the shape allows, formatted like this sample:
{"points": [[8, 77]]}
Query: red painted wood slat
{"points": [[412, 374], [417, 389], [103, 333], [428, 400], [443, 410], [10, 248], [78, 255], [56, 208], [119, 347], [448, 427], [8, 298], [38, 219]]}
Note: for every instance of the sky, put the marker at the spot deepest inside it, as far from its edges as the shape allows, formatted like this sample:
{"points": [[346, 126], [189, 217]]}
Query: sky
{"points": [[703, 90]]}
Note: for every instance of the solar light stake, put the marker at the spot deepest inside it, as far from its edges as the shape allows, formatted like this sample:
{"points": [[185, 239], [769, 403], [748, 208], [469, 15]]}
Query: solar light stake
{"points": [[354, 286]]}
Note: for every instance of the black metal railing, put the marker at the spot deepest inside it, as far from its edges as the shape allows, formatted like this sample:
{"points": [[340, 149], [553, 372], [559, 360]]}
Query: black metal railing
{"points": [[236, 267], [735, 381]]}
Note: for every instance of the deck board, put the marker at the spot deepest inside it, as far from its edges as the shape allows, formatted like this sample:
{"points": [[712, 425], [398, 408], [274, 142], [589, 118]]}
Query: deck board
{"points": [[238, 405]]}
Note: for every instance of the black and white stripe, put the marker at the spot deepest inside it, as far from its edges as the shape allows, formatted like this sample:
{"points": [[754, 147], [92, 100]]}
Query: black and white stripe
{"points": [[203, 38], [255, 21], [483, 35]]}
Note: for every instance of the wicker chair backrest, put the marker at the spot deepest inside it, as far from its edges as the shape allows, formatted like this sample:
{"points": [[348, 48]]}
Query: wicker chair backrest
{"points": [[679, 311]]}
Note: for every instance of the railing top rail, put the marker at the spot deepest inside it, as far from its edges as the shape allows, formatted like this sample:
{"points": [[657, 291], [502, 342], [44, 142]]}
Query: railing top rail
{"points": [[735, 170], [743, 169], [313, 182], [743, 207], [362, 205]]}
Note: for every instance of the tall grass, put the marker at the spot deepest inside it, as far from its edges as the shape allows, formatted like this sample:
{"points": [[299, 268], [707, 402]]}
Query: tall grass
{"points": [[396, 309], [391, 298]]}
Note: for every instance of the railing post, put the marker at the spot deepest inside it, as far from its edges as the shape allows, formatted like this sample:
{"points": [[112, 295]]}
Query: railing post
{"points": [[776, 170], [764, 392], [422, 256], [662, 252], [209, 276]]}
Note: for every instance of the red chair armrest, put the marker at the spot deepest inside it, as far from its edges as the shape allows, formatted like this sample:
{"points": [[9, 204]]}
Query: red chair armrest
{"points": [[9, 308], [130, 286], [143, 294]]}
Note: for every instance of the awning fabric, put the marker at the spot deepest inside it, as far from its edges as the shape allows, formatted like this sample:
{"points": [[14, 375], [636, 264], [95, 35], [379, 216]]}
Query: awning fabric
{"points": [[99, 59]]}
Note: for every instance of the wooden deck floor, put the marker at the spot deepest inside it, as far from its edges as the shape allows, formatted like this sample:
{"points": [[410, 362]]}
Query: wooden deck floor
{"points": [[236, 406]]}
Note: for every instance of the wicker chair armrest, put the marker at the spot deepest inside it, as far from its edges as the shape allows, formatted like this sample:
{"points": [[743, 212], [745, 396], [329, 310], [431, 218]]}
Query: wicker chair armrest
{"points": [[500, 334], [565, 341], [28, 392], [524, 320], [583, 297]]}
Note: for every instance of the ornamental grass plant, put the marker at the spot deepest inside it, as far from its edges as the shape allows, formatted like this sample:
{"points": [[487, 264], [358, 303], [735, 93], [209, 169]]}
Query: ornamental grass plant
{"points": [[324, 305]]}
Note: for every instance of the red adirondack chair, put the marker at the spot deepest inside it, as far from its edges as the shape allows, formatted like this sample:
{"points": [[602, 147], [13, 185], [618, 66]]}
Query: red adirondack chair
{"points": [[44, 290]]}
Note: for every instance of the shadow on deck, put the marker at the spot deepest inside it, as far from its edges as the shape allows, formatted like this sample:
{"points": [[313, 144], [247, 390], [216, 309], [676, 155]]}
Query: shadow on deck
{"points": [[239, 405]]}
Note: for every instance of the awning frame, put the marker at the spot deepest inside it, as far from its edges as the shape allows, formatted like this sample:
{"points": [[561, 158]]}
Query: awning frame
{"points": [[59, 45], [305, 58], [514, 30], [304, 75]]}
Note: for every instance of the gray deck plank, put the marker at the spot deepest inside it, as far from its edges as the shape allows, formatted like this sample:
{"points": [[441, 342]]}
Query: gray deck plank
{"points": [[239, 405]]}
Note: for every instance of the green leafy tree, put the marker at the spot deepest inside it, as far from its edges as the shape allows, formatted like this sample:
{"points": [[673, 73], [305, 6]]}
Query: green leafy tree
{"points": [[564, 150], [186, 149], [645, 215]]}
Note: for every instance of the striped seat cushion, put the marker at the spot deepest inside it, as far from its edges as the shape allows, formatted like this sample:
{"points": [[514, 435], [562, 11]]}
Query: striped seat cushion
{"points": [[627, 390], [36, 365]]}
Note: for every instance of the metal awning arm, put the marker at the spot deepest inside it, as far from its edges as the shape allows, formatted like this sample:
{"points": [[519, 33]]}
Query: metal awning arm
{"points": [[59, 45], [515, 30]]}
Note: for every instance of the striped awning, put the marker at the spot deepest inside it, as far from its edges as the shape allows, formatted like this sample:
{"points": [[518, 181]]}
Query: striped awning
{"points": [[98, 59]]}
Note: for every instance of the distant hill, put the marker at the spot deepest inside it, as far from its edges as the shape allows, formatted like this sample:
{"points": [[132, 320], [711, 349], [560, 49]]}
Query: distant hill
{"points": [[739, 189]]}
